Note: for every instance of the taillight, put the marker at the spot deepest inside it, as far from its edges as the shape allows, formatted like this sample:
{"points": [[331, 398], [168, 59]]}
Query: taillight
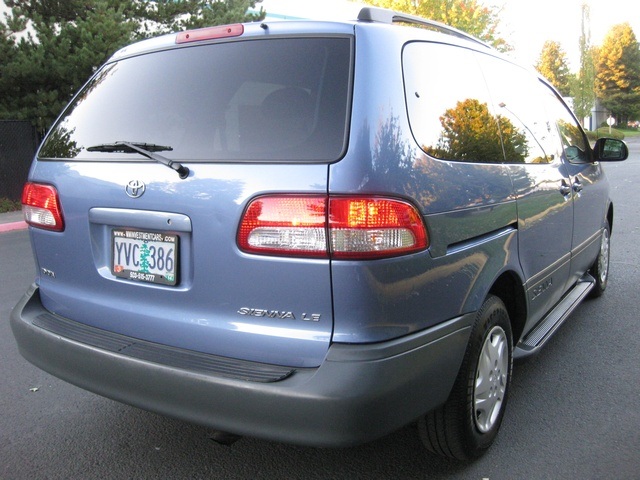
{"points": [[338, 227], [285, 225], [41, 206], [374, 227]]}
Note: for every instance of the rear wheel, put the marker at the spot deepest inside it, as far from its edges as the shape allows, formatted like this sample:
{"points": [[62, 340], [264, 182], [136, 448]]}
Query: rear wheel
{"points": [[467, 424], [600, 269]]}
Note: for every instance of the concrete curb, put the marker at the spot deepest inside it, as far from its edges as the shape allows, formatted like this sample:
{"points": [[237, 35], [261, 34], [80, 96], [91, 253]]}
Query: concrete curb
{"points": [[10, 221], [9, 227]]}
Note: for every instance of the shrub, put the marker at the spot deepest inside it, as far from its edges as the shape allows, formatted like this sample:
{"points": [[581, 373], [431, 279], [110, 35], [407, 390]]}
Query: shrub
{"points": [[7, 205]]}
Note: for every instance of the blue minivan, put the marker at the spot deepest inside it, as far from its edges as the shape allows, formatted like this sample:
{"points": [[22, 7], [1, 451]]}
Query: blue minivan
{"points": [[313, 232]]}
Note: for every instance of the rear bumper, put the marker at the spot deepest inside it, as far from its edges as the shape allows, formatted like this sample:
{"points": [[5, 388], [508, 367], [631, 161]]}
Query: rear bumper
{"points": [[359, 393]]}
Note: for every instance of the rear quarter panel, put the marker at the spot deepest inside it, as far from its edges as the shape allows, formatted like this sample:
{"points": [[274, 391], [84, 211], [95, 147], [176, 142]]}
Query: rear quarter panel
{"points": [[469, 211]]}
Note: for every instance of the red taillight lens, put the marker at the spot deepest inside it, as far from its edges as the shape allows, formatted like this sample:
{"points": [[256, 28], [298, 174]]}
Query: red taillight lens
{"points": [[374, 227], [358, 227], [285, 225], [41, 206]]}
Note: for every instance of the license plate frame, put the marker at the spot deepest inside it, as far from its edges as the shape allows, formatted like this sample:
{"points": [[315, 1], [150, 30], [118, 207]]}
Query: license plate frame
{"points": [[145, 256]]}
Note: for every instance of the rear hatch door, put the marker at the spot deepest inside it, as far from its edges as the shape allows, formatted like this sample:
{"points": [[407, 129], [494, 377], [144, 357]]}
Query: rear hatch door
{"points": [[154, 256]]}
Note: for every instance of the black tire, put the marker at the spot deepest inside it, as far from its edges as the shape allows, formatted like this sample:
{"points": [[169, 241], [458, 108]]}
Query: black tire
{"points": [[600, 268], [467, 424]]}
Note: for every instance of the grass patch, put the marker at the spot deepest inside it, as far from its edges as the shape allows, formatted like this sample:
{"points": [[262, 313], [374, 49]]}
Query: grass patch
{"points": [[631, 132], [7, 205], [604, 132], [619, 133]]}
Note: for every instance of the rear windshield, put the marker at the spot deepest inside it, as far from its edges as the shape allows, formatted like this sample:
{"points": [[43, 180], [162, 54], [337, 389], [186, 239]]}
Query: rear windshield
{"points": [[273, 100]]}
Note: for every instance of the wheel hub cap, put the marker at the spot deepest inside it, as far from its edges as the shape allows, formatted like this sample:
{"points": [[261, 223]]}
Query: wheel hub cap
{"points": [[603, 259], [491, 379]]}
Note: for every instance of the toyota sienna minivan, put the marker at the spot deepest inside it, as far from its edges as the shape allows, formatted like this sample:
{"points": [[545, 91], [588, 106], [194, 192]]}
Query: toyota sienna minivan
{"points": [[313, 232]]}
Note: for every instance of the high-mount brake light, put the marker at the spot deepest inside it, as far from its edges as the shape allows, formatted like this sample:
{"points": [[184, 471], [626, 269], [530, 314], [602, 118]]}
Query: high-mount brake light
{"points": [[210, 33], [336, 227], [41, 206]]}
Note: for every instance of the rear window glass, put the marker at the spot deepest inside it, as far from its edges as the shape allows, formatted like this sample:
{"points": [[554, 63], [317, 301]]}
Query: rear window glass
{"points": [[272, 100]]}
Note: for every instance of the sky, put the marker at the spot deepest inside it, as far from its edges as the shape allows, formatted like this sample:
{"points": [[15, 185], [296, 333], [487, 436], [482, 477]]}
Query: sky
{"points": [[527, 24], [524, 24]]}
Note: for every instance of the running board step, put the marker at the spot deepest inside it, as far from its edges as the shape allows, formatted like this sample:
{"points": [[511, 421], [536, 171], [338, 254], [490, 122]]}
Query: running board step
{"points": [[536, 339]]}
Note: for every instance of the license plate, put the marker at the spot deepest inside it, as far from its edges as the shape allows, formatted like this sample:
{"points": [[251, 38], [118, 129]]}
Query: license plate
{"points": [[144, 256]]}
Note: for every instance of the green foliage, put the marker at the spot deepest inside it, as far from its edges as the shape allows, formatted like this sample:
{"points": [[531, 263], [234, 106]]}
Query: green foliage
{"points": [[552, 65], [50, 66], [604, 132], [163, 16], [618, 73], [582, 86], [7, 205], [470, 16], [60, 10], [71, 38], [471, 133]]}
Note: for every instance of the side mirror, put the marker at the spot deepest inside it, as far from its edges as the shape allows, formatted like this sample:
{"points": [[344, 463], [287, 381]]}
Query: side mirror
{"points": [[610, 150], [573, 154]]}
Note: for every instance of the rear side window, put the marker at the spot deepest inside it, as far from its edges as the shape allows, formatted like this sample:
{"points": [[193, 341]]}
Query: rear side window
{"points": [[472, 107], [271, 100], [529, 133], [449, 106]]}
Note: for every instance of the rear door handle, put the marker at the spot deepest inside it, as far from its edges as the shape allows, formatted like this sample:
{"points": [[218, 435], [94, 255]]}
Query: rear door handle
{"points": [[577, 185], [565, 189]]}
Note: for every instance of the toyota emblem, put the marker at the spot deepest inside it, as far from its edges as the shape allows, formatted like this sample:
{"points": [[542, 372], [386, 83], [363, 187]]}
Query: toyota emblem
{"points": [[135, 188]]}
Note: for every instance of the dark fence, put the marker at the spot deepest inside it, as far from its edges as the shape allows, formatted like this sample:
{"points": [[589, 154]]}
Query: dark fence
{"points": [[18, 143]]}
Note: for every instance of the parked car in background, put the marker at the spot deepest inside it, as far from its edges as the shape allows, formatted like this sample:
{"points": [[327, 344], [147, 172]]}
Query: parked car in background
{"points": [[313, 232]]}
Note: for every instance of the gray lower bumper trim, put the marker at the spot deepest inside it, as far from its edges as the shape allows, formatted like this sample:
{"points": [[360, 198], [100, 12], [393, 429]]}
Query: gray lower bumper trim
{"points": [[357, 394], [161, 354]]}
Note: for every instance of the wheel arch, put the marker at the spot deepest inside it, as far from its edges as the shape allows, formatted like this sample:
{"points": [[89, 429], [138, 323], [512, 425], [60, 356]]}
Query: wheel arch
{"points": [[509, 289]]}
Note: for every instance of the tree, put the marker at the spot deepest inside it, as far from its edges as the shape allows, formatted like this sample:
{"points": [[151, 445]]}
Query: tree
{"points": [[53, 62], [163, 16], [153, 17], [71, 38], [7, 44], [470, 16], [471, 133], [61, 10], [552, 64], [618, 73], [582, 86]]}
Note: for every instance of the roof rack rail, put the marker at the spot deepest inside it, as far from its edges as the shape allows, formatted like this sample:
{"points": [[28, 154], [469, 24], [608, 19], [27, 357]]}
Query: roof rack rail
{"points": [[383, 15]]}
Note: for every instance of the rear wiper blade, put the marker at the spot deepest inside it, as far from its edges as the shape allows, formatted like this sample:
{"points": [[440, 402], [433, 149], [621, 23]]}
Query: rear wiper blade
{"points": [[128, 147], [145, 149]]}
